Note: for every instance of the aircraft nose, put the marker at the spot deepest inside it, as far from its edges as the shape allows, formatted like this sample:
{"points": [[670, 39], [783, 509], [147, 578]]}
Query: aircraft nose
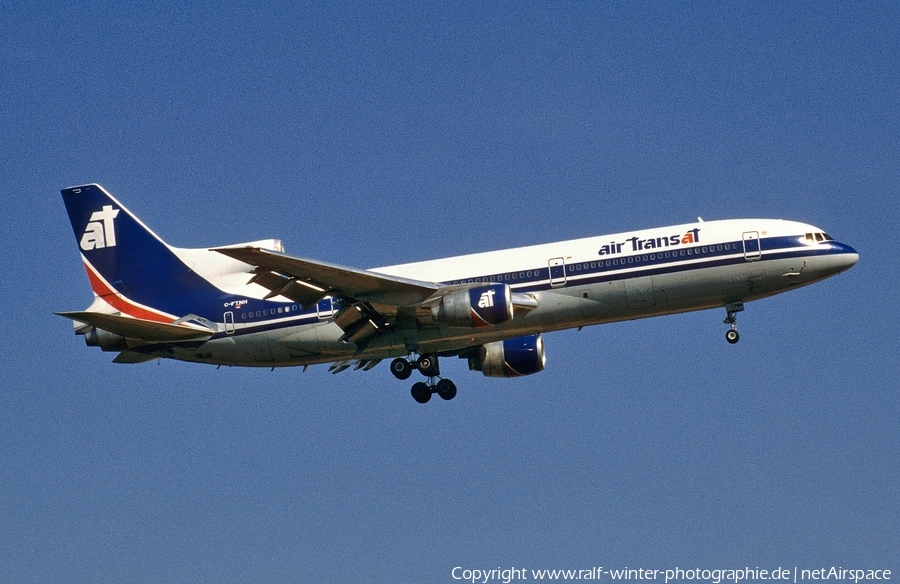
{"points": [[847, 256]]}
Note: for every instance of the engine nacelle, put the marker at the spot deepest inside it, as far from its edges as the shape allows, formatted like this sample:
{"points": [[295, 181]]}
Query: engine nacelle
{"points": [[106, 340], [510, 358], [475, 307]]}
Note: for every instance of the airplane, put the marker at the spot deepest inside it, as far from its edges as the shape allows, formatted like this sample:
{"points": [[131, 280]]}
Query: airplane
{"points": [[252, 305]]}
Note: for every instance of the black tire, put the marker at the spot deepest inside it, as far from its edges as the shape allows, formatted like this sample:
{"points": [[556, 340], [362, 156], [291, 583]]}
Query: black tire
{"points": [[732, 336], [428, 365], [421, 392], [401, 368], [446, 389]]}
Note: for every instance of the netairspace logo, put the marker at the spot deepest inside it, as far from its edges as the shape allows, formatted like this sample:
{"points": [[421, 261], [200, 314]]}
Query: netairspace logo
{"points": [[717, 576]]}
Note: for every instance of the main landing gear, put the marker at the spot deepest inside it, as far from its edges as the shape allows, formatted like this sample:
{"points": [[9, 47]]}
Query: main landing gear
{"points": [[427, 366], [731, 335]]}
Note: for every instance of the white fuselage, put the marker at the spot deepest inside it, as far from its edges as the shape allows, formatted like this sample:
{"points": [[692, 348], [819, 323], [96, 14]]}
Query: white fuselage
{"points": [[574, 283]]}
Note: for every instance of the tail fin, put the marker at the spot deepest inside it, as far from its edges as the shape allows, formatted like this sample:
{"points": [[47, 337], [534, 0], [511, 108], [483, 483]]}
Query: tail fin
{"points": [[130, 267]]}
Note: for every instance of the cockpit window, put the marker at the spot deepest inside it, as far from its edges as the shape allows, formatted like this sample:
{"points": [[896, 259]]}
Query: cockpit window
{"points": [[813, 238]]}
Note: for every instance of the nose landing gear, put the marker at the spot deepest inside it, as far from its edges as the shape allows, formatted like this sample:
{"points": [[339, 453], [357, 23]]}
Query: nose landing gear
{"points": [[731, 335], [427, 366]]}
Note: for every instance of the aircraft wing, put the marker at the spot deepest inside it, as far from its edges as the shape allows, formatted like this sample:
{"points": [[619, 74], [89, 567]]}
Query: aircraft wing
{"points": [[308, 281]]}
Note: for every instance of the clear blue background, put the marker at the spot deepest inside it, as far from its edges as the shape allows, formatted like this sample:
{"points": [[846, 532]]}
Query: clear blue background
{"points": [[384, 133]]}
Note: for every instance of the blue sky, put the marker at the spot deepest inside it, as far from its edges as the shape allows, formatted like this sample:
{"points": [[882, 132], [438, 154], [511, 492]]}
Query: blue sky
{"points": [[385, 133]]}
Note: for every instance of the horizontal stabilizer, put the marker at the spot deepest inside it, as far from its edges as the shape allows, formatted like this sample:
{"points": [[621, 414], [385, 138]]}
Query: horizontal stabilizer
{"points": [[131, 357], [145, 330]]}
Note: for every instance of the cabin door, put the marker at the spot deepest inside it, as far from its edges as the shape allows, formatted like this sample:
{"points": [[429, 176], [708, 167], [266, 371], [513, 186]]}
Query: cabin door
{"points": [[557, 272], [752, 250]]}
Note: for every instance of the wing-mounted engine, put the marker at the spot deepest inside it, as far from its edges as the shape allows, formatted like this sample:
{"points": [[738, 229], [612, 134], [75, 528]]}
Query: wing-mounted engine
{"points": [[480, 306], [510, 358]]}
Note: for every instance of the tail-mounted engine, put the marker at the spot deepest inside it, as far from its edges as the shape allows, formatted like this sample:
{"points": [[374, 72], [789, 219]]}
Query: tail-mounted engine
{"points": [[106, 340], [510, 358], [475, 307]]}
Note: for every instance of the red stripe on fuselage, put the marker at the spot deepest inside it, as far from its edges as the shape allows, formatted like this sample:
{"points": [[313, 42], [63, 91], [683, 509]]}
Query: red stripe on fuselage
{"points": [[119, 302]]}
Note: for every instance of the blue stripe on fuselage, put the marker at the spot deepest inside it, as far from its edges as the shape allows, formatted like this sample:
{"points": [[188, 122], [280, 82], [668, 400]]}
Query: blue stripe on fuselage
{"points": [[581, 273], [662, 262]]}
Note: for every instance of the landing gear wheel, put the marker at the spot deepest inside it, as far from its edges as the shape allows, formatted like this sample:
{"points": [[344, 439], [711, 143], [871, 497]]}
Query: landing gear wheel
{"points": [[428, 365], [446, 389], [732, 308], [421, 392], [401, 368]]}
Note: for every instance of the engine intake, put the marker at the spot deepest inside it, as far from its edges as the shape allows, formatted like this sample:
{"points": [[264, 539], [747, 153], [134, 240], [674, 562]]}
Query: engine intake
{"points": [[510, 358], [475, 307]]}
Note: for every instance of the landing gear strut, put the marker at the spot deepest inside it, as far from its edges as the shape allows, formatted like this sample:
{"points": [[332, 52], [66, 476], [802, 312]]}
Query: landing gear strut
{"points": [[731, 335], [427, 366]]}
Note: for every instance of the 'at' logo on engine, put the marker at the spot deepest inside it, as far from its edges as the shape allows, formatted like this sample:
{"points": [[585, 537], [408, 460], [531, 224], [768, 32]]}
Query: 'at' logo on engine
{"points": [[487, 299], [100, 231]]}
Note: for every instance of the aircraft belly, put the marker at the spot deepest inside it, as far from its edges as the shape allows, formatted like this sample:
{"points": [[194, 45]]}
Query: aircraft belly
{"points": [[612, 298], [639, 293], [690, 290], [303, 340]]}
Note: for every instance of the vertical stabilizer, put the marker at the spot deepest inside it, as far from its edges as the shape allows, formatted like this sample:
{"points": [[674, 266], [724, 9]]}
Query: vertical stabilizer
{"points": [[128, 265]]}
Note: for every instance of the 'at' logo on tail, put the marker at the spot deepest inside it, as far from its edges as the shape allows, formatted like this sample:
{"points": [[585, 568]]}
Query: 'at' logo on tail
{"points": [[100, 231]]}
